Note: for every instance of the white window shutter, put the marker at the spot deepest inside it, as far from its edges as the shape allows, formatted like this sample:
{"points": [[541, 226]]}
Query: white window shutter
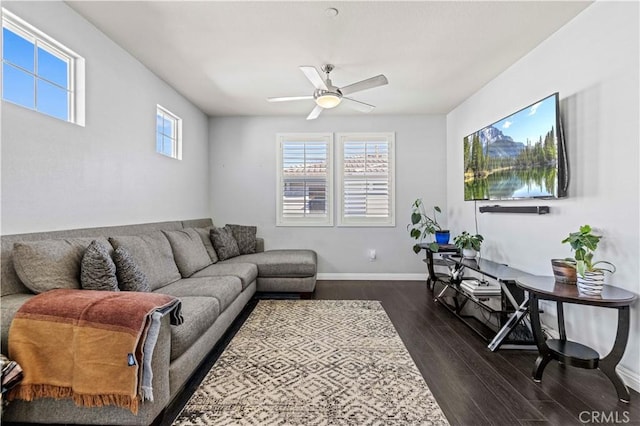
{"points": [[305, 184], [366, 179]]}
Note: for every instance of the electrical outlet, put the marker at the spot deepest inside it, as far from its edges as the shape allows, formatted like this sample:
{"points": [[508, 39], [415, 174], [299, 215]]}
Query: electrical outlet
{"points": [[372, 255]]}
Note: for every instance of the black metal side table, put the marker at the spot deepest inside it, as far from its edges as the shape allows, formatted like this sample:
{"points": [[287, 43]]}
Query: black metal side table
{"points": [[573, 353], [432, 276]]}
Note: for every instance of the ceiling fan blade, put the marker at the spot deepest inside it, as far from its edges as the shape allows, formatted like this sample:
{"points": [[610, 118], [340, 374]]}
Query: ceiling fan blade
{"points": [[314, 77], [357, 105], [289, 98], [315, 113], [370, 83]]}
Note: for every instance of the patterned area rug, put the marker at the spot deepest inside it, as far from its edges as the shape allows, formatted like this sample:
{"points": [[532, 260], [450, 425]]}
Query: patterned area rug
{"points": [[314, 362]]}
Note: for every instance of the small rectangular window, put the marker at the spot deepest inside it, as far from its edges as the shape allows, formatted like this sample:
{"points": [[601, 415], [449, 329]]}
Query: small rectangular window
{"points": [[366, 179], [39, 73], [168, 133], [305, 185]]}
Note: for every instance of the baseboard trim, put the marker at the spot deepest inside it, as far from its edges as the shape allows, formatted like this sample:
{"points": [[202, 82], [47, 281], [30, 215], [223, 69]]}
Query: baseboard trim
{"points": [[372, 277], [629, 378]]}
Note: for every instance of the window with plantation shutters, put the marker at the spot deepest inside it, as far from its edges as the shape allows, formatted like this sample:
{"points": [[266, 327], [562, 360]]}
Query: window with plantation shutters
{"points": [[366, 181], [305, 185]]}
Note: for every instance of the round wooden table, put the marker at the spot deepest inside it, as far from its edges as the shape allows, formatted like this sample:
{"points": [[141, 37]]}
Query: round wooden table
{"points": [[573, 353]]}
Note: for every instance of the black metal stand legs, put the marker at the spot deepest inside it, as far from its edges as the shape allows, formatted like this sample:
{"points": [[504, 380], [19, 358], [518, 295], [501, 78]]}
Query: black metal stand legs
{"points": [[608, 363], [576, 354]]}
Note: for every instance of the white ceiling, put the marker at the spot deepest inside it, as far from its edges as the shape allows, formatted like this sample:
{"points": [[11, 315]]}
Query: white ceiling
{"points": [[227, 57]]}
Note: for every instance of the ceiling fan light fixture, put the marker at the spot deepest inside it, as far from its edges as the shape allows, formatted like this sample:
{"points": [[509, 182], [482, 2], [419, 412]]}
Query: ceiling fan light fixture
{"points": [[328, 100], [327, 96]]}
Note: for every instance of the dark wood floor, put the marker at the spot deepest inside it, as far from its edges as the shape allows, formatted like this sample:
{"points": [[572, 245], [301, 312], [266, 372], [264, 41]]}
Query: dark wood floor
{"points": [[475, 386]]}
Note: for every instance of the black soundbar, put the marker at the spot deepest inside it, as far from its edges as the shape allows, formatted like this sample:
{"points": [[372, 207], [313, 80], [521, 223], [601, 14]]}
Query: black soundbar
{"points": [[515, 209]]}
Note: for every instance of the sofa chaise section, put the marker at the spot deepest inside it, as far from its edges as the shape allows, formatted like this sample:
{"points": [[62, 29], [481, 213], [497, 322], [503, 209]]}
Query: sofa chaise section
{"points": [[282, 270]]}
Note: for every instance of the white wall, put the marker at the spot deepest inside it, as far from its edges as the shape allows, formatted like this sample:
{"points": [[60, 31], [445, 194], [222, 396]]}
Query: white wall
{"points": [[593, 63], [243, 182], [57, 175]]}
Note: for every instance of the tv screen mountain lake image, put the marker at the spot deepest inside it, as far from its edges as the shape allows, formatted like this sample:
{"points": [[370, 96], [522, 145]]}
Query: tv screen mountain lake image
{"points": [[516, 157]]}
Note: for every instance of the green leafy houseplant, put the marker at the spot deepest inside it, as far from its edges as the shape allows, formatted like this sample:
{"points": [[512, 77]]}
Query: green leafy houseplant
{"points": [[468, 241], [585, 243], [423, 225]]}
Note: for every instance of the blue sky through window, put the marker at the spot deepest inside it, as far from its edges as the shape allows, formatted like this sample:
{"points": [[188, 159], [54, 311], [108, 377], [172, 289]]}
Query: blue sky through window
{"points": [[165, 135], [52, 68], [45, 89], [17, 50]]}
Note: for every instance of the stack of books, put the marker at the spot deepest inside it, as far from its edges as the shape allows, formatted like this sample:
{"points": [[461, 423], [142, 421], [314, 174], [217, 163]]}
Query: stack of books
{"points": [[478, 288]]}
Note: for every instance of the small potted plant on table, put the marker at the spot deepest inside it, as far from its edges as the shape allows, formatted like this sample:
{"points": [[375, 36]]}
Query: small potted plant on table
{"points": [[590, 273], [423, 225], [469, 244]]}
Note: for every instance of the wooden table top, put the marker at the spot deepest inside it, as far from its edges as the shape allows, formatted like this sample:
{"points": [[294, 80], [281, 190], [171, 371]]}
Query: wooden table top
{"points": [[548, 288]]}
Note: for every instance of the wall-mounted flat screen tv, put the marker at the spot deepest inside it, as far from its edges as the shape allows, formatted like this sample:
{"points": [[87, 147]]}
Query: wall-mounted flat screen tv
{"points": [[519, 157]]}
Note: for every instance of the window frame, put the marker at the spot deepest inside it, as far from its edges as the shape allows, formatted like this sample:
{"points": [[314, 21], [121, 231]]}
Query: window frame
{"points": [[281, 139], [75, 67], [341, 140], [176, 142]]}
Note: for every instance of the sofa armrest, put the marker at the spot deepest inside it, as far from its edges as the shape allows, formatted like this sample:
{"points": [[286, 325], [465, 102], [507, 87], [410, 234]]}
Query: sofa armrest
{"points": [[259, 245], [47, 410], [9, 305]]}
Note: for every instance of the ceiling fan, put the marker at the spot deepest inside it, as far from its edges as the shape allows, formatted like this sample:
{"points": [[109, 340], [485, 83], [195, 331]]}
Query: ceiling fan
{"points": [[328, 96]]}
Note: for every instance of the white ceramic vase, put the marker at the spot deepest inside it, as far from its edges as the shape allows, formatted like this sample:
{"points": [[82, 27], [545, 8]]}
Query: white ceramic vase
{"points": [[591, 283], [469, 253]]}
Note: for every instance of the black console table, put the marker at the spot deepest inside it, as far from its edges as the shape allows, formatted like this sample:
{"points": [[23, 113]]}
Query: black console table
{"points": [[573, 353], [512, 303]]}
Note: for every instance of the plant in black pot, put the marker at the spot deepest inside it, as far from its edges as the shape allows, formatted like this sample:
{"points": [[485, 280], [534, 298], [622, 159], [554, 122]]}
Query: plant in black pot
{"points": [[590, 273], [423, 225], [468, 244]]}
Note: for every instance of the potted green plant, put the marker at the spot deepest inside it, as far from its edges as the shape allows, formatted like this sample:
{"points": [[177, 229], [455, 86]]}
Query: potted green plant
{"points": [[468, 244], [590, 272], [423, 225]]}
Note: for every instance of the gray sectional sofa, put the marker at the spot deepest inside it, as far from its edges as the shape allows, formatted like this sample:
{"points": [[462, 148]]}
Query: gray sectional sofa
{"points": [[211, 299]]}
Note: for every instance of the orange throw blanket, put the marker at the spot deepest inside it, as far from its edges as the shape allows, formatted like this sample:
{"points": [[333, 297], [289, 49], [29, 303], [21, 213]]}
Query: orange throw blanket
{"points": [[84, 344]]}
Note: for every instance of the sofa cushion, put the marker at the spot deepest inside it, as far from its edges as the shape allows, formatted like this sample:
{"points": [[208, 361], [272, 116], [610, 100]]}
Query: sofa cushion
{"points": [[152, 253], [286, 285], [130, 277], [188, 251], [97, 270], [247, 272], [281, 263], [199, 313], [245, 236], [224, 242], [225, 289], [48, 264], [205, 236]]}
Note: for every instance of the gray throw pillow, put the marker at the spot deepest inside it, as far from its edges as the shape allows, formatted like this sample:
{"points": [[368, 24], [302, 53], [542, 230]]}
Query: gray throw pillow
{"points": [[205, 235], [245, 237], [49, 264], [188, 251], [130, 277], [224, 243], [97, 270], [153, 255]]}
